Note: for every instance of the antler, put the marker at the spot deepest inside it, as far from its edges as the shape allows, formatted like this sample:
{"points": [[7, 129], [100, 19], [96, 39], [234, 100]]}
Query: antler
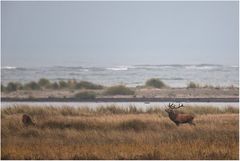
{"points": [[172, 106], [180, 105]]}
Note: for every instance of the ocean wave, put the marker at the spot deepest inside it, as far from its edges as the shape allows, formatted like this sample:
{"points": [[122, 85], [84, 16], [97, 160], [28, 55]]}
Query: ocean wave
{"points": [[13, 68], [120, 68], [234, 66], [8, 67], [154, 67], [203, 67], [173, 78], [200, 67]]}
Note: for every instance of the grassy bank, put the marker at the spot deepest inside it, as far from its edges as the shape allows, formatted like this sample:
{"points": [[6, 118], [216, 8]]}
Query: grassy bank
{"points": [[118, 133]]}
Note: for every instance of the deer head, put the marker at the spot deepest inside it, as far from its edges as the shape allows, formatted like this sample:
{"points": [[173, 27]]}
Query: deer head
{"points": [[172, 107]]}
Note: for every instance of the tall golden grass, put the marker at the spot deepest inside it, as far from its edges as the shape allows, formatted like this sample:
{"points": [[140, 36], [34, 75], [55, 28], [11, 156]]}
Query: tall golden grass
{"points": [[118, 133]]}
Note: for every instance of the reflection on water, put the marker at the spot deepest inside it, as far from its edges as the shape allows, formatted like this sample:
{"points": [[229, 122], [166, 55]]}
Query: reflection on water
{"points": [[143, 105]]}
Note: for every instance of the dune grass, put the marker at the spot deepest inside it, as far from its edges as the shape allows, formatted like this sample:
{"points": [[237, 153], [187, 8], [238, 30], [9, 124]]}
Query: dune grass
{"points": [[193, 85], [85, 95], [118, 133], [156, 83], [119, 90], [44, 83]]}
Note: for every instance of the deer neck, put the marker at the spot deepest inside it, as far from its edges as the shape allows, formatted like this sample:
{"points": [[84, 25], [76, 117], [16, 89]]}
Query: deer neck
{"points": [[172, 115]]}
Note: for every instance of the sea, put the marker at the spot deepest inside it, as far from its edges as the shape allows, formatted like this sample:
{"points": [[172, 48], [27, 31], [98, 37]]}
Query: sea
{"points": [[174, 75]]}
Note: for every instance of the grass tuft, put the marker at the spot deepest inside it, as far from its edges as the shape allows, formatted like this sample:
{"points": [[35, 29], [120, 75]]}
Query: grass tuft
{"points": [[156, 83], [32, 86], [85, 95], [136, 125], [87, 85], [43, 82], [119, 90], [193, 85]]}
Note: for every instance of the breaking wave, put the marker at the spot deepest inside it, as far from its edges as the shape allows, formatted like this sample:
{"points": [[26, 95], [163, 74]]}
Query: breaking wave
{"points": [[8, 67]]}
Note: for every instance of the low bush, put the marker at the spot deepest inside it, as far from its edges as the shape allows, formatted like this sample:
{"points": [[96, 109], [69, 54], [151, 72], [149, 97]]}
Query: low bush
{"points": [[3, 88], [193, 85], [87, 85], [43, 82], [156, 83], [63, 84], [119, 90], [55, 85], [32, 86], [85, 95], [13, 86]]}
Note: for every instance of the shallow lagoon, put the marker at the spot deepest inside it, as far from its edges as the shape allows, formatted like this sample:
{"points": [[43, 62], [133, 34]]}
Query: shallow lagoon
{"points": [[143, 105]]}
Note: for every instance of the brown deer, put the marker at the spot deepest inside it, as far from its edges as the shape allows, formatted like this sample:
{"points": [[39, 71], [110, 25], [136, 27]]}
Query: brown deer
{"points": [[179, 118], [26, 119]]}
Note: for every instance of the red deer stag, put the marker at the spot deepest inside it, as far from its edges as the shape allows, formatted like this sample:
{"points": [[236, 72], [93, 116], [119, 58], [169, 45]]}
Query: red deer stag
{"points": [[27, 120], [179, 118]]}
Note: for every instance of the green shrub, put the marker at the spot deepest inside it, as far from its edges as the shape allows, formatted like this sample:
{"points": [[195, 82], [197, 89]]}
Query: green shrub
{"points": [[32, 86], [55, 85], [44, 82], [87, 85], [3, 88], [155, 82], [13, 86], [119, 90], [192, 85], [85, 95], [63, 84]]}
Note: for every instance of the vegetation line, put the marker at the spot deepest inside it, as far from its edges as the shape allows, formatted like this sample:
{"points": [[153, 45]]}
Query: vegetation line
{"points": [[92, 98], [73, 84]]}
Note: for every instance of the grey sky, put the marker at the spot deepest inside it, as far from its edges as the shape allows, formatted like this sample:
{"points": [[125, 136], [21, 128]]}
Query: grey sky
{"points": [[119, 33]]}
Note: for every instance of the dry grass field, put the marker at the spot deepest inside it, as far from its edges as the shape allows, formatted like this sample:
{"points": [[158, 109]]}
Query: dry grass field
{"points": [[117, 133]]}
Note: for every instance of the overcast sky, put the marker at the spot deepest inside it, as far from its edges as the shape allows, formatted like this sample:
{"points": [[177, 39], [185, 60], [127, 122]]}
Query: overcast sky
{"points": [[118, 33]]}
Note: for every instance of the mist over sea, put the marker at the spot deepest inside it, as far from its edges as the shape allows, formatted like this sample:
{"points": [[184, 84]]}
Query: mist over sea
{"points": [[173, 75]]}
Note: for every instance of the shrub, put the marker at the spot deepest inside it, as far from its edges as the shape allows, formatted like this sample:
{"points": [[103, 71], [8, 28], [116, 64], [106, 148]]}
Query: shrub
{"points": [[85, 95], [44, 82], [32, 85], [3, 88], [192, 85], [63, 84], [87, 85], [54, 85], [119, 90], [13, 86], [155, 82]]}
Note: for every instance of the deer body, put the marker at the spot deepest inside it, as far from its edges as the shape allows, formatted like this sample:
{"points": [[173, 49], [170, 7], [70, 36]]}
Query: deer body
{"points": [[178, 118]]}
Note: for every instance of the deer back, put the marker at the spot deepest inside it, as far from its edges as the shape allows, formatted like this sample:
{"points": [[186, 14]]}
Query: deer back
{"points": [[184, 118]]}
